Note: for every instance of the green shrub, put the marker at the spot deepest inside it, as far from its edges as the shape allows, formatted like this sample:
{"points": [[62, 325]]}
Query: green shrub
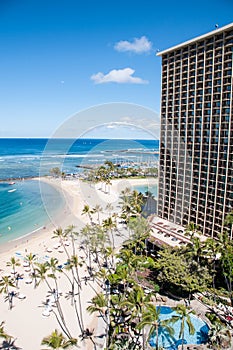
{"points": [[213, 318]]}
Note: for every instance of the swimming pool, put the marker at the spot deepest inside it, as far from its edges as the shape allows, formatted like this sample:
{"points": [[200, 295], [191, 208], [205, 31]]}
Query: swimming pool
{"points": [[153, 188], [172, 342]]}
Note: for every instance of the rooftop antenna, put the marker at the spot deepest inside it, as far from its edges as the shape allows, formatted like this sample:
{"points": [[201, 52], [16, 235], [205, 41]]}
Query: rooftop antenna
{"points": [[216, 26]]}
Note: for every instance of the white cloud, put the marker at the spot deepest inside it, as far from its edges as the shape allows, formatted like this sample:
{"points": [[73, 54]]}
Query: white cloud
{"points": [[120, 76], [116, 125], [138, 45], [111, 126]]}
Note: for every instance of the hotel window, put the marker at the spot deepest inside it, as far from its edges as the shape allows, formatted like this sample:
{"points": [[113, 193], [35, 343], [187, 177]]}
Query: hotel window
{"points": [[230, 33], [209, 76], [228, 72], [209, 41], [217, 75], [227, 80], [230, 41], [218, 52]]}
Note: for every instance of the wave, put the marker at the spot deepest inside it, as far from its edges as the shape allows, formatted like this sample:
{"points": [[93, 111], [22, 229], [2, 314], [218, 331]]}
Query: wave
{"points": [[27, 234], [90, 155], [20, 156], [133, 150]]}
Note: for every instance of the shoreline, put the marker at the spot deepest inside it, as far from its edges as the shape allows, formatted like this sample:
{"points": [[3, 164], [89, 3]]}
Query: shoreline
{"points": [[75, 199], [77, 194], [20, 178], [57, 219]]}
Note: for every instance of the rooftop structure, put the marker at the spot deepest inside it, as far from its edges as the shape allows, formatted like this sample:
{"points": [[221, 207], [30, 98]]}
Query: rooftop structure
{"points": [[196, 143]]}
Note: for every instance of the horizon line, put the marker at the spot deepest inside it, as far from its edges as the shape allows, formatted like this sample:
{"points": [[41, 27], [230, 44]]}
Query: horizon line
{"points": [[74, 138]]}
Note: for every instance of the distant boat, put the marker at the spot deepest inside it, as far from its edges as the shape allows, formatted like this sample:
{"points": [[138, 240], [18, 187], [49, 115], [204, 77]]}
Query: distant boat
{"points": [[14, 189], [11, 183]]}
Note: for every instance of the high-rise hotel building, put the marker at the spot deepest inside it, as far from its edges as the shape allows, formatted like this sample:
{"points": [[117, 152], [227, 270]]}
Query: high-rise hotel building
{"points": [[196, 144]]}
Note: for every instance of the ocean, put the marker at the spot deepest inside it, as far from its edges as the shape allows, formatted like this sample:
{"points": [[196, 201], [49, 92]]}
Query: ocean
{"points": [[21, 205]]}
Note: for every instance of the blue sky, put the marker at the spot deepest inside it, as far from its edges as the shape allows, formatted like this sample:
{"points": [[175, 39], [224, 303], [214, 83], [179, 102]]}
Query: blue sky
{"points": [[61, 57]]}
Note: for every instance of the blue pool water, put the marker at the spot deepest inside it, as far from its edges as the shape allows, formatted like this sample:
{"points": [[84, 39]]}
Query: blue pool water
{"points": [[144, 188], [172, 342]]}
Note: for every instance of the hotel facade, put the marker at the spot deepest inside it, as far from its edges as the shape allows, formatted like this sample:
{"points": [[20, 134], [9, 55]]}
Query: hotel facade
{"points": [[196, 142]]}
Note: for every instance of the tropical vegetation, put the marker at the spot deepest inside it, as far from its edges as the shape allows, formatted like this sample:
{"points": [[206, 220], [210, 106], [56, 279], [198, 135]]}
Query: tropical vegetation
{"points": [[125, 279]]}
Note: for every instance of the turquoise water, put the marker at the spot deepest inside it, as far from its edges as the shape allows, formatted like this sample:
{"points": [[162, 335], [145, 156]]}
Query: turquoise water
{"points": [[22, 210], [21, 158], [144, 188], [172, 343], [26, 206]]}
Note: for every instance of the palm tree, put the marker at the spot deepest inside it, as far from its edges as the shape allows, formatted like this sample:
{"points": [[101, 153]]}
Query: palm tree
{"points": [[98, 241], [125, 194], [57, 341], [191, 230], [109, 208], [195, 248], [141, 229], [87, 211], [108, 256], [73, 266], [102, 174], [110, 165], [42, 275], [52, 265], [110, 225], [70, 233], [183, 315], [41, 272], [13, 263], [62, 236], [99, 304], [3, 334], [135, 303], [97, 209], [5, 284], [219, 336], [136, 201], [151, 318], [31, 259], [131, 261], [109, 183]]}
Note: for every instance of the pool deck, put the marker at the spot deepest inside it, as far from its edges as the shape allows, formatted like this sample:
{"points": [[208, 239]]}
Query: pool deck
{"points": [[199, 308], [166, 233]]}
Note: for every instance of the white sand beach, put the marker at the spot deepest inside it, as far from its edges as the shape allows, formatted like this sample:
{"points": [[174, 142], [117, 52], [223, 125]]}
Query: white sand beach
{"points": [[25, 322]]}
